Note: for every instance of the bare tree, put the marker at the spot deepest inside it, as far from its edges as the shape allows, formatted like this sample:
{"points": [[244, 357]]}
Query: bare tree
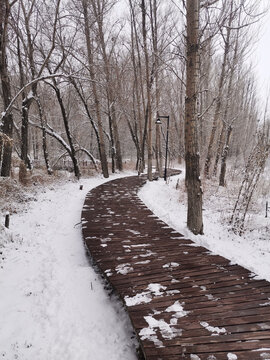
{"points": [[29, 42], [148, 91], [6, 126], [253, 170], [103, 156], [193, 182], [222, 78], [98, 9], [64, 114]]}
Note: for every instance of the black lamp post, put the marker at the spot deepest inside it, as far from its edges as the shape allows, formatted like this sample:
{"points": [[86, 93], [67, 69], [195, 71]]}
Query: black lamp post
{"points": [[158, 121]]}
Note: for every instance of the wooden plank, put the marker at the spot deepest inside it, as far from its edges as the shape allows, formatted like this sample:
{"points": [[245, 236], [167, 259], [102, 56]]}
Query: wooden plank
{"points": [[133, 249]]}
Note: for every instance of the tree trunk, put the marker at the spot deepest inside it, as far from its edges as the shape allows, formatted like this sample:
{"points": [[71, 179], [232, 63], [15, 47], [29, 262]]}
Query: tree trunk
{"points": [[7, 125], [138, 113], [44, 137], [103, 156], [24, 132], [228, 100], [138, 78], [7, 129], [111, 99], [112, 144], [224, 156], [154, 28], [209, 155], [24, 109], [193, 182], [149, 86], [68, 133], [118, 151]]}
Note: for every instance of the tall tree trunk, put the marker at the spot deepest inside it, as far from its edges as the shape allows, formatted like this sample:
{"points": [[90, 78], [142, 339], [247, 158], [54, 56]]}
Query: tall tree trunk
{"points": [[103, 156], [110, 91], [24, 109], [94, 125], [154, 28], [193, 182], [136, 104], [224, 156], [7, 124], [149, 86], [228, 100], [44, 136], [220, 147], [209, 155], [138, 75], [68, 133], [26, 103], [27, 100], [112, 143]]}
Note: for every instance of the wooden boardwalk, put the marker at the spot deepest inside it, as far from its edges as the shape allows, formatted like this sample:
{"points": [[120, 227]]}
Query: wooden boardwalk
{"points": [[183, 301]]}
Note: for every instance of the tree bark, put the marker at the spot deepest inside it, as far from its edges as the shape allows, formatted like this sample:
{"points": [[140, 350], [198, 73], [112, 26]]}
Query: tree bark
{"points": [[116, 146], [225, 127], [192, 156], [224, 156], [103, 156], [209, 155], [44, 136], [68, 133], [7, 125], [149, 86]]}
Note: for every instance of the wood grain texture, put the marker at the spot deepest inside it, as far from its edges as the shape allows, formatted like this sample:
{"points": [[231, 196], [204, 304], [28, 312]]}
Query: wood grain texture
{"points": [[224, 310]]}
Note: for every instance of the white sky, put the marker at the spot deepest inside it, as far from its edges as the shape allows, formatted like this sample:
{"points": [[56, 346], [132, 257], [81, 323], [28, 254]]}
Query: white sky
{"points": [[261, 58], [260, 53]]}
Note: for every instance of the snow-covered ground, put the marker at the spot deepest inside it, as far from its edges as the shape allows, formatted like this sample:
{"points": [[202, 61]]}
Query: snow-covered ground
{"points": [[52, 304], [252, 250]]}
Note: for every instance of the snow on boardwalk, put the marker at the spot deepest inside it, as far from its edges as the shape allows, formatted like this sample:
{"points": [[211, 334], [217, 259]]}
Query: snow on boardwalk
{"points": [[183, 301], [52, 304]]}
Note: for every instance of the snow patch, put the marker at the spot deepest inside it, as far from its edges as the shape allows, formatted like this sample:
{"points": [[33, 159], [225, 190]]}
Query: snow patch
{"points": [[140, 245], [178, 309], [171, 265], [156, 289], [145, 296], [172, 292], [214, 330], [141, 298], [166, 330], [124, 269], [231, 356], [194, 357], [134, 232], [142, 262]]}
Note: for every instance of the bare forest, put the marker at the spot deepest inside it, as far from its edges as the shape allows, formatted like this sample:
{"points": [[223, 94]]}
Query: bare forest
{"points": [[84, 81]]}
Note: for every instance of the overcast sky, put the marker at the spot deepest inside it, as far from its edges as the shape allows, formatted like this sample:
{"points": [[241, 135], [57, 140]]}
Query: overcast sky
{"points": [[261, 58], [260, 54]]}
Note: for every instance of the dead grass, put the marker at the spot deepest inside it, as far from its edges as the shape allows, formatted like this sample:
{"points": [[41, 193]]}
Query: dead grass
{"points": [[15, 193], [129, 165]]}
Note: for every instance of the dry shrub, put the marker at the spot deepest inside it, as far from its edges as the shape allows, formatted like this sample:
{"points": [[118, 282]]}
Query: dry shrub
{"points": [[12, 195], [23, 176], [88, 171], [129, 164], [181, 187]]}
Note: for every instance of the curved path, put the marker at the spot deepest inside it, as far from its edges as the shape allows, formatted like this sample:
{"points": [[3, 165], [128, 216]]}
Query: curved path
{"points": [[183, 301]]}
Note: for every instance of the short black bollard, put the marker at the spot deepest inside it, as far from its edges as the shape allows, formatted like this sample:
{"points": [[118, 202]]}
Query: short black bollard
{"points": [[266, 209], [81, 187], [7, 220]]}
